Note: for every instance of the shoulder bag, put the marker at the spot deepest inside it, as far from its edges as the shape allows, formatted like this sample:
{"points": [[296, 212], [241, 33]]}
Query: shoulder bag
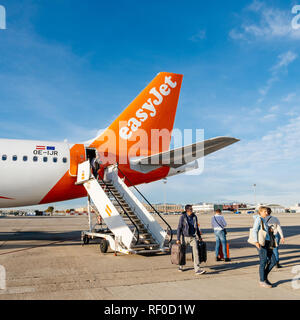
{"points": [[262, 233], [225, 231]]}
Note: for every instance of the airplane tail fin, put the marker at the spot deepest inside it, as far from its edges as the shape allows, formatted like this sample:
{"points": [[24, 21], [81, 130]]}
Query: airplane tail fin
{"points": [[145, 126]]}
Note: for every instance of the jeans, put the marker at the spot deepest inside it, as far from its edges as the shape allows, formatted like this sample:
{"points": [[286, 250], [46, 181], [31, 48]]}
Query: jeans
{"points": [[221, 238], [267, 261], [192, 241], [275, 250]]}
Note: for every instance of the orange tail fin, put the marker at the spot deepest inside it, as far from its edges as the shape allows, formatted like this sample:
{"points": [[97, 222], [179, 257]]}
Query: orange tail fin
{"points": [[145, 126]]}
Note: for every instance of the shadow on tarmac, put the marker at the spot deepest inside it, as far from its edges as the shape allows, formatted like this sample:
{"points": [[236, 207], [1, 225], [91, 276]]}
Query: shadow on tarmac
{"points": [[10, 239]]}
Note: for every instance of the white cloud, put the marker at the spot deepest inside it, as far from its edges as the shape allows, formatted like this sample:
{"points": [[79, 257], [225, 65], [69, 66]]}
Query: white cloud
{"points": [[289, 97], [274, 108], [270, 161], [264, 90], [280, 144], [273, 23], [268, 117], [255, 111], [236, 35], [255, 6], [292, 113], [284, 60], [200, 35]]}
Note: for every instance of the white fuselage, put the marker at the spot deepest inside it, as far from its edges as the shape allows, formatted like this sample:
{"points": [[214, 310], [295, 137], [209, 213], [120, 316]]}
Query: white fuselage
{"points": [[28, 170]]}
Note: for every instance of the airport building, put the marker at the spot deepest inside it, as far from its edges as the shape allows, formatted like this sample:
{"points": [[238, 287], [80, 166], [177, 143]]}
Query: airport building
{"points": [[234, 206], [276, 208], [211, 207], [295, 208], [81, 210], [165, 208], [206, 207]]}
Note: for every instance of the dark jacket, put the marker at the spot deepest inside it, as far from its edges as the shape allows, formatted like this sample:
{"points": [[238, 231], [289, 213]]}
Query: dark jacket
{"points": [[183, 226]]}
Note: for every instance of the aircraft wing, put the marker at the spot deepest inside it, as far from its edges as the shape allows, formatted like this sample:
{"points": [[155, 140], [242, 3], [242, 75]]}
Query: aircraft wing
{"points": [[178, 157]]}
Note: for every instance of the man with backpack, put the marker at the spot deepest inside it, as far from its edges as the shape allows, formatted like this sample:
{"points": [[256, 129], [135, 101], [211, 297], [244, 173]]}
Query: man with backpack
{"points": [[188, 230]]}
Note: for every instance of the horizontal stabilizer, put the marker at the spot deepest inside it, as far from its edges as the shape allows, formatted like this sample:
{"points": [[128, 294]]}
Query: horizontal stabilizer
{"points": [[178, 157]]}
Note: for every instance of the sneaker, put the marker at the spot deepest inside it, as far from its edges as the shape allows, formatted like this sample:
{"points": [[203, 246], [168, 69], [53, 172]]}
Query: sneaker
{"points": [[264, 284], [227, 260], [218, 259], [180, 268], [200, 271]]}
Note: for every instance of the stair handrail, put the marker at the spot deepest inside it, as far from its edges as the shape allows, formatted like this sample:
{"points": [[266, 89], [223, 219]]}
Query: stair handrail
{"points": [[132, 185], [136, 227]]}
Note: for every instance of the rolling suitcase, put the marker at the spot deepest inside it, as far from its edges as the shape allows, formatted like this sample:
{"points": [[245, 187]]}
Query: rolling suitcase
{"points": [[178, 254], [221, 255], [202, 251]]}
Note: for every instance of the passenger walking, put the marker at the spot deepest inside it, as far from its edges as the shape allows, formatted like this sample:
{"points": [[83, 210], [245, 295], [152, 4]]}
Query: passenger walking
{"points": [[266, 254], [274, 223], [188, 230], [219, 224]]}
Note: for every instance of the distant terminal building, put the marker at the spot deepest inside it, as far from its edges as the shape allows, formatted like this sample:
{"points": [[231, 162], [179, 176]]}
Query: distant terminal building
{"points": [[211, 207], [59, 213], [206, 207], [164, 208], [276, 208], [295, 208], [81, 210], [234, 206]]}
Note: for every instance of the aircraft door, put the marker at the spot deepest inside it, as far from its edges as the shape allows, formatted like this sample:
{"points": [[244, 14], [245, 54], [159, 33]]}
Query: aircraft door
{"points": [[77, 155]]}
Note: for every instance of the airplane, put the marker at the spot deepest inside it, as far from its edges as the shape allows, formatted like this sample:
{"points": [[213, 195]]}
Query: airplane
{"points": [[34, 172]]}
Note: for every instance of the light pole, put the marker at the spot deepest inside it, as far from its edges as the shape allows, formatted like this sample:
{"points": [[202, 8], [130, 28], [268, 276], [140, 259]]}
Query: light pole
{"points": [[254, 188], [165, 194]]}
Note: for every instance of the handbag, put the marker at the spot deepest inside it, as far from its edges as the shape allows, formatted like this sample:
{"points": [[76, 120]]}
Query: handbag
{"points": [[251, 237], [224, 229], [273, 243], [262, 233]]}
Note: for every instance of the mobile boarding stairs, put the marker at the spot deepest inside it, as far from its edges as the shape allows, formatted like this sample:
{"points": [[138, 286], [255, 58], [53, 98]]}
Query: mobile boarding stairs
{"points": [[125, 224]]}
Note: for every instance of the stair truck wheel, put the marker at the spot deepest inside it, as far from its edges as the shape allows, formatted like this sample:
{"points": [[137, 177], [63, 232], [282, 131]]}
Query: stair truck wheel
{"points": [[86, 239], [103, 245]]}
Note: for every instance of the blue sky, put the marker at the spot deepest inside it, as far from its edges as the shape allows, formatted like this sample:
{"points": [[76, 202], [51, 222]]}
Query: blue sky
{"points": [[68, 68]]}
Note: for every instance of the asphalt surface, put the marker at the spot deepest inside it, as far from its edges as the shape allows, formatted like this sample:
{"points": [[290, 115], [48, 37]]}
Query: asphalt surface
{"points": [[44, 259]]}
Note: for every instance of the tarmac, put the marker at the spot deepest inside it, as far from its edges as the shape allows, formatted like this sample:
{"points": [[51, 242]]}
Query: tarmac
{"points": [[44, 259]]}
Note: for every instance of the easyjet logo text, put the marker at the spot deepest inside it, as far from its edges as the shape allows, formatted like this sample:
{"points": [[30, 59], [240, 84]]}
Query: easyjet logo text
{"points": [[148, 109]]}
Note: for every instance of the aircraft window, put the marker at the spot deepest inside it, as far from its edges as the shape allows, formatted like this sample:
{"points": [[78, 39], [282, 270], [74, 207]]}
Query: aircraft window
{"points": [[15, 158], [4, 157], [45, 159], [65, 160], [25, 158], [35, 158], [55, 159]]}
